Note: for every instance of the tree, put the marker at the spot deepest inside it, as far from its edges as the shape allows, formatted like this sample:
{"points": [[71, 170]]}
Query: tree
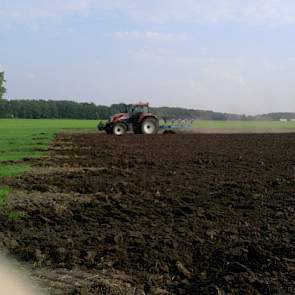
{"points": [[2, 82]]}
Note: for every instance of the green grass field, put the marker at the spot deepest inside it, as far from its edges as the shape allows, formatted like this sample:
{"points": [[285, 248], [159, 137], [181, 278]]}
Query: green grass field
{"points": [[21, 139], [251, 125]]}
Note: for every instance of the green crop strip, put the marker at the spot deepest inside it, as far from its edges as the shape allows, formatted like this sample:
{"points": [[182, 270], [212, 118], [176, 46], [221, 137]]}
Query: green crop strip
{"points": [[3, 195], [12, 170]]}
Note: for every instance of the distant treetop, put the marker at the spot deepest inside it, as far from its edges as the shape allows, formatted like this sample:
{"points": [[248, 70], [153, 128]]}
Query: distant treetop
{"points": [[2, 83]]}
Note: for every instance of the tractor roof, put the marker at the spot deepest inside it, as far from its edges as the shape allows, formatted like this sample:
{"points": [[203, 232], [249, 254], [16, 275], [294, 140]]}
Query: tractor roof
{"points": [[140, 103]]}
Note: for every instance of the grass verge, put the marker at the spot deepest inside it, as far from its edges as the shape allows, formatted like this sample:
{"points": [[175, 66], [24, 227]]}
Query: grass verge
{"points": [[21, 139], [12, 170], [4, 192]]}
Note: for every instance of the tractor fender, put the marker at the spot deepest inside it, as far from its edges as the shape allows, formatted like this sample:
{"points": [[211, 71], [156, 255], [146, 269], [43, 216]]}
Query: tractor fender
{"points": [[143, 116]]}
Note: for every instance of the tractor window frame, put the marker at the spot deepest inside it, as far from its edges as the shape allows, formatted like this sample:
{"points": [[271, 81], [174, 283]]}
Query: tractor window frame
{"points": [[138, 109]]}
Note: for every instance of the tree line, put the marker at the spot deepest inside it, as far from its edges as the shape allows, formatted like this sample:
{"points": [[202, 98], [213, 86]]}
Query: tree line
{"points": [[51, 109]]}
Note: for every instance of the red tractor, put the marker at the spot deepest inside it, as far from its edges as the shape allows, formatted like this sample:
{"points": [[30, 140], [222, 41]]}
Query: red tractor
{"points": [[136, 118]]}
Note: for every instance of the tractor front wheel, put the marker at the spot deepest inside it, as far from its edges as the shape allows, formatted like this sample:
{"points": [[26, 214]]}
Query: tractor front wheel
{"points": [[119, 129], [150, 126]]}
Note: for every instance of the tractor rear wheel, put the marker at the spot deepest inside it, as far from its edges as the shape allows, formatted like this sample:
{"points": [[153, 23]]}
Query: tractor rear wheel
{"points": [[150, 126], [119, 129]]}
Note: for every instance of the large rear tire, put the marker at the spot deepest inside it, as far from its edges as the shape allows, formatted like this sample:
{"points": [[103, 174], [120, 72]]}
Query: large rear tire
{"points": [[150, 126], [119, 129]]}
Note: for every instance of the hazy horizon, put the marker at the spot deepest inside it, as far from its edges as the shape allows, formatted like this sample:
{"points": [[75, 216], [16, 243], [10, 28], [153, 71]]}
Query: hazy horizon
{"points": [[227, 56]]}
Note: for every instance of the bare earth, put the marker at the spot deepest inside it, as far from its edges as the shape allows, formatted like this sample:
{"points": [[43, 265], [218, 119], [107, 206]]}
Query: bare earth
{"points": [[166, 214]]}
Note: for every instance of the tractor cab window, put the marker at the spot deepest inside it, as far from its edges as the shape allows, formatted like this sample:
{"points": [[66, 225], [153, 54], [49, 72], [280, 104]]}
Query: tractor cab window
{"points": [[138, 109]]}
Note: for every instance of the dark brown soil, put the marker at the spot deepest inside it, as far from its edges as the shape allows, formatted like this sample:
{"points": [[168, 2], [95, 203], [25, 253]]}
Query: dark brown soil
{"points": [[166, 214]]}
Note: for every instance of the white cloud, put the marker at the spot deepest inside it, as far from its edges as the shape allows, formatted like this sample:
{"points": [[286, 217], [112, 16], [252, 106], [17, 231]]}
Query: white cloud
{"points": [[31, 76], [216, 11], [34, 10], [76, 5], [149, 36], [273, 12], [33, 27]]}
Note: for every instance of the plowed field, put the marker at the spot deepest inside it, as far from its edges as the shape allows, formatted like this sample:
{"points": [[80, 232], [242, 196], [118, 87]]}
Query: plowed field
{"points": [[166, 214]]}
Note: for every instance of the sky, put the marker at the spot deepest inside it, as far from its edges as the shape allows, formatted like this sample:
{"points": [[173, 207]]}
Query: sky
{"points": [[233, 56]]}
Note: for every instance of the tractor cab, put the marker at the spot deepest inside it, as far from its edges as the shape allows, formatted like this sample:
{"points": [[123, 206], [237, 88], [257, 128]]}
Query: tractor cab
{"points": [[137, 108]]}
